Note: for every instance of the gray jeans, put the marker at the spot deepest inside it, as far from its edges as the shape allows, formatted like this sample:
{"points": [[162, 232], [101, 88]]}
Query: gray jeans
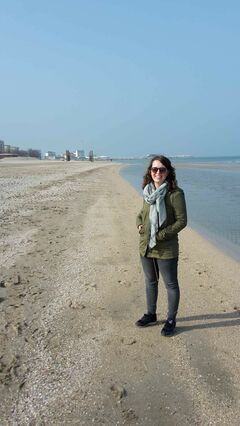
{"points": [[168, 271]]}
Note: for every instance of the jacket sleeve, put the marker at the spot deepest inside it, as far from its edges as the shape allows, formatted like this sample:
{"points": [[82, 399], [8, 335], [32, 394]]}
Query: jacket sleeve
{"points": [[180, 214], [139, 218]]}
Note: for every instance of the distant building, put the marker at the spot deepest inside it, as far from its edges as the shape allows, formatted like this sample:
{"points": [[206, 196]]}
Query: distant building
{"points": [[68, 155], [7, 149], [90, 155], [14, 149], [1, 146], [36, 153], [50, 155], [80, 154]]}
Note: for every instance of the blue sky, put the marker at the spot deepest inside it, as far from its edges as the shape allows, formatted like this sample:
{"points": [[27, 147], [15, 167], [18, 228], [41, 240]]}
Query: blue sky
{"points": [[127, 77]]}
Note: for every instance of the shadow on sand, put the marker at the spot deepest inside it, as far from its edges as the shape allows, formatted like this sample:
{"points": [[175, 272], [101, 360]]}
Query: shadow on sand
{"points": [[228, 319]]}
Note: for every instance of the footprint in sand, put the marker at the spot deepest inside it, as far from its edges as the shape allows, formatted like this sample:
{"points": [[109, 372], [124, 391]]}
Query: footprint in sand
{"points": [[118, 391]]}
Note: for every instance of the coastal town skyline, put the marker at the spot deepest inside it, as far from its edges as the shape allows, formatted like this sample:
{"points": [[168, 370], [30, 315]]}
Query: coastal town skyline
{"points": [[9, 150]]}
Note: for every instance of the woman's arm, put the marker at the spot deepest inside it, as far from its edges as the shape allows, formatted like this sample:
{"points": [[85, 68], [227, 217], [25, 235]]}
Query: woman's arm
{"points": [[180, 213], [139, 219]]}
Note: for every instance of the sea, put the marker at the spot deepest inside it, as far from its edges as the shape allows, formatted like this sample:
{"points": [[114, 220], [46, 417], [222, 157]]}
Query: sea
{"points": [[212, 190]]}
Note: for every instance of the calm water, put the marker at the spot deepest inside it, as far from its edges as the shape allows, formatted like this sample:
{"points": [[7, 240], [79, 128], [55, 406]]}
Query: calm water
{"points": [[212, 195]]}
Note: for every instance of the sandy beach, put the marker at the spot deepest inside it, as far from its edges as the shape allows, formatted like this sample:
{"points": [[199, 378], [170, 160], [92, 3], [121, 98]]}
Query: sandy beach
{"points": [[71, 289]]}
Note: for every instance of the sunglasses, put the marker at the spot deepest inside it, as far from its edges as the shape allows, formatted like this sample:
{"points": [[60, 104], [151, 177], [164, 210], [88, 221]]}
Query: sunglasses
{"points": [[159, 169]]}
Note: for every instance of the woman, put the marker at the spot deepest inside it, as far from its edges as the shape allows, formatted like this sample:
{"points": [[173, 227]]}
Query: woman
{"points": [[163, 215]]}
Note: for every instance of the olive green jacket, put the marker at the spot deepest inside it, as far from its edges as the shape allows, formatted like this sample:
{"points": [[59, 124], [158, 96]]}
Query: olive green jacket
{"points": [[167, 238]]}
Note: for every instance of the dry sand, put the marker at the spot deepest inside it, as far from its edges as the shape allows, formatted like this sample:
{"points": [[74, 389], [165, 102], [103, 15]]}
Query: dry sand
{"points": [[71, 291]]}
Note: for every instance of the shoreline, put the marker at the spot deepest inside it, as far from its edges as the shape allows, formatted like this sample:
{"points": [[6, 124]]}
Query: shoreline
{"points": [[221, 244], [71, 290]]}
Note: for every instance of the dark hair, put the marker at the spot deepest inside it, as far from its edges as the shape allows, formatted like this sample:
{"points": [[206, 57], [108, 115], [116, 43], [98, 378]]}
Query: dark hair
{"points": [[171, 177]]}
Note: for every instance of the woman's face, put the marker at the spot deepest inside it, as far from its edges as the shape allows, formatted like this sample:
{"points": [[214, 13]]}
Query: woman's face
{"points": [[158, 173]]}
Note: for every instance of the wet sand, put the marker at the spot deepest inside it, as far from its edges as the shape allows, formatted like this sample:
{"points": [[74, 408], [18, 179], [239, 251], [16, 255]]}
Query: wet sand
{"points": [[71, 289]]}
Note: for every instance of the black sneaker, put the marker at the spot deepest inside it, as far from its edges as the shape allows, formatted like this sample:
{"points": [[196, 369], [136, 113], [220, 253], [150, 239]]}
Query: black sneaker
{"points": [[146, 320], [168, 328]]}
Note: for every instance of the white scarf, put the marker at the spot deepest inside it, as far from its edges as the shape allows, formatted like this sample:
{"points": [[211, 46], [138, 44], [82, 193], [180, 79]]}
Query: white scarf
{"points": [[157, 215]]}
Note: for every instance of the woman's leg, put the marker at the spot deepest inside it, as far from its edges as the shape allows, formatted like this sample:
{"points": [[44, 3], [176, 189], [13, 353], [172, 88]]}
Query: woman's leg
{"points": [[168, 270], [150, 269]]}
